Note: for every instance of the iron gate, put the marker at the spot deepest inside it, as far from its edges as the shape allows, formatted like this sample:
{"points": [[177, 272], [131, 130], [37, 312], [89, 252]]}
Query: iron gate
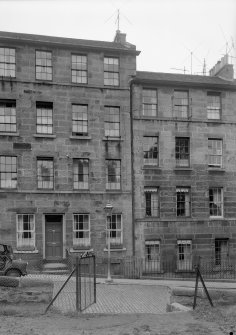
{"points": [[79, 290]]}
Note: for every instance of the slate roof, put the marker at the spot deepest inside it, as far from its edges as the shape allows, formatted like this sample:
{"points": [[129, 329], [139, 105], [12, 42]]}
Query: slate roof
{"points": [[183, 80], [70, 42]]}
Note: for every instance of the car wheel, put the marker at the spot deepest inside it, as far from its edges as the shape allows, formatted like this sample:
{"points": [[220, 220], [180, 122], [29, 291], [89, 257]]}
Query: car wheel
{"points": [[13, 273]]}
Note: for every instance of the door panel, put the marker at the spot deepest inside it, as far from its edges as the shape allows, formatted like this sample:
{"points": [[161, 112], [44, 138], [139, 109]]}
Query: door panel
{"points": [[53, 237]]}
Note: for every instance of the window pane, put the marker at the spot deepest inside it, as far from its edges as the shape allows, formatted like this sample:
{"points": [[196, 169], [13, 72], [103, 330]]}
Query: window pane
{"points": [[216, 202], [79, 120], [81, 173], [113, 174], [43, 65], [8, 172], [45, 173], [26, 231], [7, 116], [183, 202], [152, 202], [81, 230], [7, 62], [213, 105], [149, 102], [79, 69], [44, 118], [112, 121], [214, 153], [111, 71], [114, 229], [182, 151], [150, 150]]}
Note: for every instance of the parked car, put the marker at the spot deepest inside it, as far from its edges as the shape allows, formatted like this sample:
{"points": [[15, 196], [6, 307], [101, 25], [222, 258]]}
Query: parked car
{"points": [[10, 266]]}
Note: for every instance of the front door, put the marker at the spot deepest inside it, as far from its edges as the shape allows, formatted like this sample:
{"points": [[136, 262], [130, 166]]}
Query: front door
{"points": [[53, 237]]}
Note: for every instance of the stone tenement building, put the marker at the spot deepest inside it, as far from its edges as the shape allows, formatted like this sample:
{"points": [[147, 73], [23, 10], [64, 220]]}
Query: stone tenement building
{"points": [[184, 166], [79, 129], [65, 145]]}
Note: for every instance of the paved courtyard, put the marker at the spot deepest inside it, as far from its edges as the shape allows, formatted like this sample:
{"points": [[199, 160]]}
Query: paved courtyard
{"points": [[113, 298]]}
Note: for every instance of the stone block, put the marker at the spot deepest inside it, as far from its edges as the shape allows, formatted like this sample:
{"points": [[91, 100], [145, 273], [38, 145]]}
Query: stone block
{"points": [[21, 290]]}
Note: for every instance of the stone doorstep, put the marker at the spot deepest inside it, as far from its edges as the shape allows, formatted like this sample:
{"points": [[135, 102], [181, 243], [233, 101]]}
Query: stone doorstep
{"points": [[55, 266]]}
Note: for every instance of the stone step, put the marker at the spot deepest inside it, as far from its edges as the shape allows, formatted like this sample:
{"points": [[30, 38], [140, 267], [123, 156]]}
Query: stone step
{"points": [[55, 265], [55, 268], [55, 272]]}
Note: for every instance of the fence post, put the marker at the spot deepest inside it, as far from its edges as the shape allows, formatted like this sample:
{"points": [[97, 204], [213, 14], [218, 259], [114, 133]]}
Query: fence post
{"points": [[94, 279], [196, 287], [77, 283]]}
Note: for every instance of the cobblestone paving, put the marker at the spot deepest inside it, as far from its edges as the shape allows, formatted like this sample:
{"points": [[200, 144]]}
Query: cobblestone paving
{"points": [[113, 298]]}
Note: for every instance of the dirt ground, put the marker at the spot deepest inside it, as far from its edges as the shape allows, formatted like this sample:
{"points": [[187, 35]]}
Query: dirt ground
{"points": [[30, 320]]}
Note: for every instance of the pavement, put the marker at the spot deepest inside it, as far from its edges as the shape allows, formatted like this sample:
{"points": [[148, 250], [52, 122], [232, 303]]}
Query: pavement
{"points": [[123, 295]]}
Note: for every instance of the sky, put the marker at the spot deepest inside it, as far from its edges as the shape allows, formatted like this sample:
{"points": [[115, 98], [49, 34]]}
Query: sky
{"points": [[172, 35]]}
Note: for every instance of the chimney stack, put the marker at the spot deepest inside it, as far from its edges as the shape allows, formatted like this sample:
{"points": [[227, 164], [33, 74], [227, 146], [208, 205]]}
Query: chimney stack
{"points": [[120, 38], [223, 69]]}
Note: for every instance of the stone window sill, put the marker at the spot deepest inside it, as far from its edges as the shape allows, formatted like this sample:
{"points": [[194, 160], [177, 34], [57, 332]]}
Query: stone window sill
{"points": [[83, 249], [111, 138], [44, 135], [115, 249], [216, 169], [25, 251], [9, 134], [182, 168], [80, 137], [148, 167]]}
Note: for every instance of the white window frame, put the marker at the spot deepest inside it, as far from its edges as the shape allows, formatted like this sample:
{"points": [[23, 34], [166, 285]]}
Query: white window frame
{"points": [[186, 262], [43, 65], [111, 71], [112, 121], [7, 62], [113, 181], [221, 257], [180, 152], [20, 231], [149, 105], [79, 120], [8, 171], [44, 123], [215, 152], [79, 70], [150, 150], [214, 107], [117, 240], [151, 209], [80, 180], [7, 116], [186, 202], [219, 202], [81, 241], [45, 181], [180, 103]]}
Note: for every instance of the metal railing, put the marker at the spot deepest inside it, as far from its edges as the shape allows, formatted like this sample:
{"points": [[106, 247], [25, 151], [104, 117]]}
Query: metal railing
{"points": [[135, 267]]}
